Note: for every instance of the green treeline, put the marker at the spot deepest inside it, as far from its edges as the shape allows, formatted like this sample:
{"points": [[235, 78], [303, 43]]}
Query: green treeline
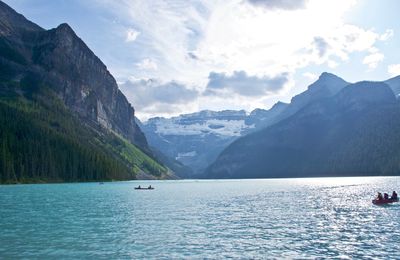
{"points": [[41, 141]]}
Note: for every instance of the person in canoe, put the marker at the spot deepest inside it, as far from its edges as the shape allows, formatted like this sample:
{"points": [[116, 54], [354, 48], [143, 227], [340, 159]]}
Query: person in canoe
{"points": [[149, 187], [385, 196], [139, 187], [379, 197], [394, 196]]}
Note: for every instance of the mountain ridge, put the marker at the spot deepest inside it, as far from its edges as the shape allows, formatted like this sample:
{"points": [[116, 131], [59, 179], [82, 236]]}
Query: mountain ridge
{"points": [[206, 139], [59, 57], [54, 73], [338, 136], [196, 139]]}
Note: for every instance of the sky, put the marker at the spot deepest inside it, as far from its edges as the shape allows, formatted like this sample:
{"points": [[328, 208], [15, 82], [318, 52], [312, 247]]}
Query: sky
{"points": [[180, 56]]}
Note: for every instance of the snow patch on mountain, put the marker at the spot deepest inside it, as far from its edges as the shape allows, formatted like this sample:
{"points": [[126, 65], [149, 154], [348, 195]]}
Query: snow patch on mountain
{"points": [[211, 126], [188, 154]]}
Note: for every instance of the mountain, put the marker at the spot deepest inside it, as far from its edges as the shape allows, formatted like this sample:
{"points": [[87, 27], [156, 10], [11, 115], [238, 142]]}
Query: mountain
{"points": [[196, 139], [394, 84], [261, 118], [63, 116], [353, 133], [327, 85]]}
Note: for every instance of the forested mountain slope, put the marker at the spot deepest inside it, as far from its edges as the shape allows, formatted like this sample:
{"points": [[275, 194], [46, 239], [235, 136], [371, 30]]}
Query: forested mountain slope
{"points": [[63, 117]]}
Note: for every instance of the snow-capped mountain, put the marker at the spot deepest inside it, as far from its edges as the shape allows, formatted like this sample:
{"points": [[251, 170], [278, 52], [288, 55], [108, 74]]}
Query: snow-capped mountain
{"points": [[196, 139]]}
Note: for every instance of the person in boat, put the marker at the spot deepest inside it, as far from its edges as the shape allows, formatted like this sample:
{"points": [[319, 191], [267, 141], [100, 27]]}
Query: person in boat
{"points": [[386, 196], [149, 187], [379, 197], [139, 187], [394, 196]]}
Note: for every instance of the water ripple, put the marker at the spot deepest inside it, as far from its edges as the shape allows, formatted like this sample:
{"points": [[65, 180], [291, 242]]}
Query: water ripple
{"points": [[249, 219]]}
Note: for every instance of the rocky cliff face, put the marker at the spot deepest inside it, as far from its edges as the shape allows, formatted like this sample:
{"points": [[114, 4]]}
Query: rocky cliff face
{"points": [[61, 60]]}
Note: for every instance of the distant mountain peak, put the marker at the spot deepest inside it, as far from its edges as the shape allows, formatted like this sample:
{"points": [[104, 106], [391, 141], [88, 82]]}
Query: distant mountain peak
{"points": [[328, 81], [329, 77], [67, 37], [279, 104], [65, 27], [64, 31]]}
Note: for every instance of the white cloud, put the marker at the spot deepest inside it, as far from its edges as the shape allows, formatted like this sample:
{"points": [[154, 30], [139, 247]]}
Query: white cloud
{"points": [[233, 35], [239, 83], [279, 4], [310, 76], [189, 39], [147, 64], [332, 64], [153, 97], [394, 69], [372, 60], [131, 35]]}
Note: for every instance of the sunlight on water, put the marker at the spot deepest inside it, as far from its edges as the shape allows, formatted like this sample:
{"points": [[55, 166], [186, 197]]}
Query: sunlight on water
{"points": [[292, 218]]}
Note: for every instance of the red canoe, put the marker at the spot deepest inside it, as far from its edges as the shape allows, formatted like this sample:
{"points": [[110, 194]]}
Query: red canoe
{"points": [[383, 201]]}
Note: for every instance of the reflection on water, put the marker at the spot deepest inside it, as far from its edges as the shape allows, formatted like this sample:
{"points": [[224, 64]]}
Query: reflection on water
{"points": [[293, 218]]}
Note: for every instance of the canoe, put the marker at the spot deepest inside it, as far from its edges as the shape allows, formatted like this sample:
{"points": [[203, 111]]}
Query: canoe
{"points": [[384, 201], [137, 188]]}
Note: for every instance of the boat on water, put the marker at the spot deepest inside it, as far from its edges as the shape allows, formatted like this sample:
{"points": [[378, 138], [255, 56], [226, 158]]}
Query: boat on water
{"points": [[142, 188], [384, 201]]}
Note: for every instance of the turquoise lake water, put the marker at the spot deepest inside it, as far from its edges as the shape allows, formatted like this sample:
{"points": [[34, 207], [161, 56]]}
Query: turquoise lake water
{"points": [[281, 218]]}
